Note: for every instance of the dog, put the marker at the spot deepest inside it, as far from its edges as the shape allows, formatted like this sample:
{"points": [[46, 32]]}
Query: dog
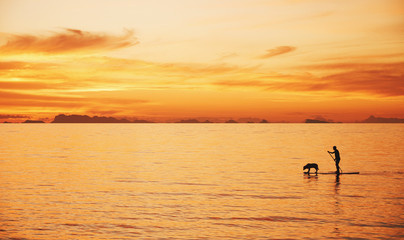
{"points": [[310, 166]]}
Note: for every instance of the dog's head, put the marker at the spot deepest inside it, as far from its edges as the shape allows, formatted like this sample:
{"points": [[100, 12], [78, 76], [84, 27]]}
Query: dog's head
{"points": [[305, 167]]}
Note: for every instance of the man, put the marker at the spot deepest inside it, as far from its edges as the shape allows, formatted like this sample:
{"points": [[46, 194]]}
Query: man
{"points": [[336, 159]]}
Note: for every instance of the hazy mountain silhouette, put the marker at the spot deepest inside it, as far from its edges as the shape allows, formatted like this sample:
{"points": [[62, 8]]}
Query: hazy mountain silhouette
{"points": [[251, 120], [315, 121], [33, 121], [248, 120], [192, 120], [189, 121], [62, 118], [373, 119]]}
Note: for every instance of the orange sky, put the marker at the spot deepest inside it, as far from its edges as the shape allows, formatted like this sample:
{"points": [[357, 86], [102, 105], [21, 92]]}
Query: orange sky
{"points": [[282, 60]]}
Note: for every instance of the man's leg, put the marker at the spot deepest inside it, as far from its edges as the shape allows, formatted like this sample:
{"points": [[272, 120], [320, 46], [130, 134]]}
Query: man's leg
{"points": [[337, 166]]}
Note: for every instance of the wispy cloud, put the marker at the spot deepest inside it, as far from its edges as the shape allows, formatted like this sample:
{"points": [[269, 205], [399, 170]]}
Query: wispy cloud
{"points": [[12, 116], [377, 79], [67, 41], [12, 65], [65, 103], [277, 51], [24, 85], [385, 79]]}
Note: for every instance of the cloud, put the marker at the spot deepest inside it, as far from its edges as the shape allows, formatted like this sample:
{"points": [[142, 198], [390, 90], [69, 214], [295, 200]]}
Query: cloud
{"points": [[24, 85], [277, 51], [12, 116], [298, 85], [11, 65], [377, 79], [228, 56], [66, 103], [67, 41], [18, 65], [11, 95], [385, 79], [370, 81]]}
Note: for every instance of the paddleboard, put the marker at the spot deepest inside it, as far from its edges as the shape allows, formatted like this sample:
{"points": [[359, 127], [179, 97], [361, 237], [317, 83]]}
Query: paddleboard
{"points": [[332, 173]]}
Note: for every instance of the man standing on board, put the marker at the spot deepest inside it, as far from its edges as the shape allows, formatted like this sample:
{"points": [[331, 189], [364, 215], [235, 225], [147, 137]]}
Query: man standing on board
{"points": [[336, 159]]}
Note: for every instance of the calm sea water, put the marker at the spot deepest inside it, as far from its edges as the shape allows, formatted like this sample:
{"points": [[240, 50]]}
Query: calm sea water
{"points": [[200, 181]]}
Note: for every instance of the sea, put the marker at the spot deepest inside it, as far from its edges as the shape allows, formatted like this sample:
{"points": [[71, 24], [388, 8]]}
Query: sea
{"points": [[200, 181]]}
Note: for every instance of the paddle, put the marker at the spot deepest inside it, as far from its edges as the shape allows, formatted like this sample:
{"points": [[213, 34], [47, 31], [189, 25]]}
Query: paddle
{"points": [[331, 156]]}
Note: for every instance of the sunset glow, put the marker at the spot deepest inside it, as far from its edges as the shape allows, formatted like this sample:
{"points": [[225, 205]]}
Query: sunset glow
{"points": [[171, 59]]}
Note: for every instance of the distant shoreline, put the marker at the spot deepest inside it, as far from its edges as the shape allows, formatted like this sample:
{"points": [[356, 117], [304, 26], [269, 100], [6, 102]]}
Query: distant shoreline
{"points": [[62, 118]]}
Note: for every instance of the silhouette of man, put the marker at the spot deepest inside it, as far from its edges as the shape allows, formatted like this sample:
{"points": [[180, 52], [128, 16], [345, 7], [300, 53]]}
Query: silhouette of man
{"points": [[336, 159]]}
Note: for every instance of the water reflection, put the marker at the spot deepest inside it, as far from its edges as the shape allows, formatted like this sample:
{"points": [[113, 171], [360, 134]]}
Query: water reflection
{"points": [[181, 181], [337, 187], [337, 203], [311, 176]]}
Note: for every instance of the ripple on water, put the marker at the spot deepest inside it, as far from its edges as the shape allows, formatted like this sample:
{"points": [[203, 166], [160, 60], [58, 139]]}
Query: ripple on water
{"points": [[268, 218]]}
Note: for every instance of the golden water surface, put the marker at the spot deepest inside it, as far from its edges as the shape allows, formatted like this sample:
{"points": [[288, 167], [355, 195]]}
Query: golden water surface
{"points": [[200, 181]]}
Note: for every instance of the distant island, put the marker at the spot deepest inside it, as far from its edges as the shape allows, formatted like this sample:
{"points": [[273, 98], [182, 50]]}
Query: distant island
{"points": [[62, 118], [33, 121], [315, 121], [193, 121], [75, 118], [373, 119]]}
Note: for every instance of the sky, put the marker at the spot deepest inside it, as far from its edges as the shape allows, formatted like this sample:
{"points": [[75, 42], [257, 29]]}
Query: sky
{"points": [[280, 60]]}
